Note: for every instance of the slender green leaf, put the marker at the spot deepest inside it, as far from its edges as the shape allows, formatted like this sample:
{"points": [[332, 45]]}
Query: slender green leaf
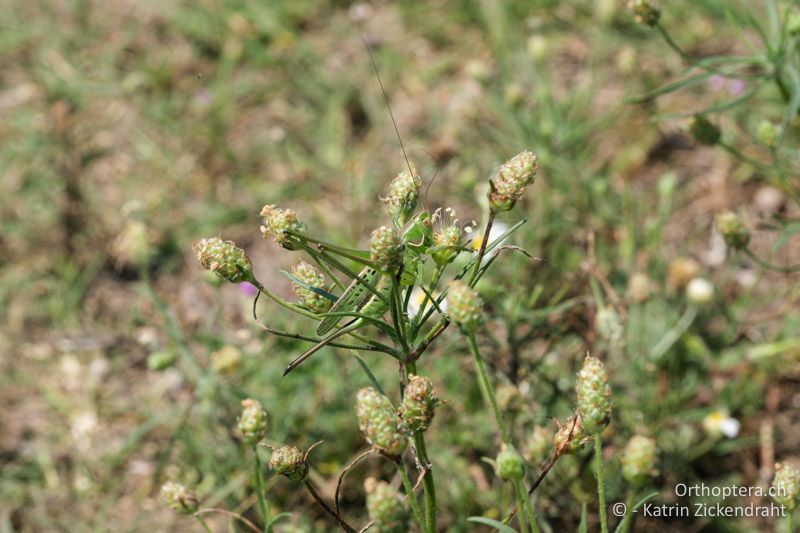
{"points": [[499, 526], [645, 500], [278, 517], [370, 376], [317, 290], [629, 516], [740, 20], [788, 232], [677, 85], [794, 103], [583, 527], [716, 108]]}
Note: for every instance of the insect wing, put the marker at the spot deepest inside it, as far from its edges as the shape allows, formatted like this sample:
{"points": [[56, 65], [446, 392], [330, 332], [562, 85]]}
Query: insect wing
{"points": [[352, 299]]}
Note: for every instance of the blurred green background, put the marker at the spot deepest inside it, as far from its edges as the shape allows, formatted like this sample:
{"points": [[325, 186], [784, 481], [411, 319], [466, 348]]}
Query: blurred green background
{"points": [[130, 129]]}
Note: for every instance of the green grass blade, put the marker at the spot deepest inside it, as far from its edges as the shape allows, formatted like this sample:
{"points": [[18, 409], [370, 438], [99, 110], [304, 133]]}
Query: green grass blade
{"points": [[583, 527], [370, 376], [317, 290], [499, 526]]}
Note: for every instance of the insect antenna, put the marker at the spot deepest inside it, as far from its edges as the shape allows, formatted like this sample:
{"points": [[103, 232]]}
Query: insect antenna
{"points": [[430, 182], [386, 99]]}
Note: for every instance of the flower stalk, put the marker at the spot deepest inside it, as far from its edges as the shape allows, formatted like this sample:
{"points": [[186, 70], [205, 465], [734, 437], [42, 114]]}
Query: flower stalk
{"points": [[260, 490], [488, 389]]}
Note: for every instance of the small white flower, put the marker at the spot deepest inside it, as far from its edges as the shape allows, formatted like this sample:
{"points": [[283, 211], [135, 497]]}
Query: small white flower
{"points": [[699, 291], [416, 300], [719, 423], [82, 427], [730, 427], [498, 229]]}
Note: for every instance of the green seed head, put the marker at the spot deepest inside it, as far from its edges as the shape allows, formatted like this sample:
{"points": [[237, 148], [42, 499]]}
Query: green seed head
{"points": [[639, 287], [609, 327], [539, 445], [133, 244], [277, 222], [161, 360], [448, 242], [645, 12], [793, 22], [403, 195], [310, 276], [379, 423], [227, 359], [570, 436], [386, 250], [509, 398], [732, 229], [179, 497], [386, 507], [786, 485], [767, 132], [594, 396], [509, 182], [704, 131], [465, 306], [639, 460], [253, 422], [509, 465], [225, 259], [419, 403], [290, 462]]}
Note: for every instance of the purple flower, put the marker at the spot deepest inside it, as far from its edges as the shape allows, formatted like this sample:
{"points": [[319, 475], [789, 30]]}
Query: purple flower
{"points": [[716, 83], [248, 289], [203, 97], [737, 87], [734, 87]]}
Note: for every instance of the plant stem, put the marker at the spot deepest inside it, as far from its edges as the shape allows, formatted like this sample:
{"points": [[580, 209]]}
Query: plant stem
{"points": [[627, 520], [521, 518], [427, 483], [672, 336], [488, 389], [482, 249], [535, 485], [342, 523], [399, 315], [325, 268], [437, 274], [601, 489], [250, 526], [523, 502], [376, 346], [789, 526], [738, 154], [203, 523], [770, 266], [412, 499], [280, 301], [194, 372], [349, 273], [262, 500], [686, 57]]}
